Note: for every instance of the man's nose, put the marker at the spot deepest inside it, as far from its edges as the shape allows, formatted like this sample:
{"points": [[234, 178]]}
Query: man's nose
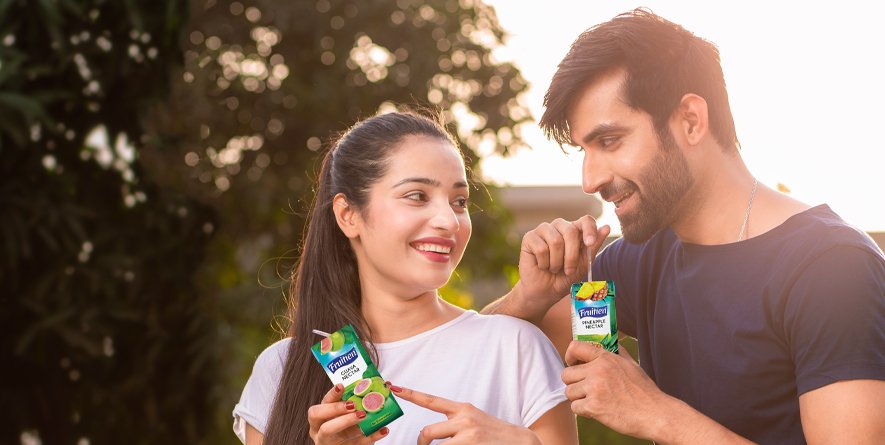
{"points": [[594, 173]]}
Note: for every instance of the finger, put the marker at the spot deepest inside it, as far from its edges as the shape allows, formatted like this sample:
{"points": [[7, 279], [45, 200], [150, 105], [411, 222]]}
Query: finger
{"points": [[317, 414], [583, 352], [593, 236], [338, 425], [599, 239], [535, 244], [574, 374], [334, 394], [556, 241], [572, 245], [359, 439], [587, 225], [601, 234], [377, 435], [575, 392], [429, 401], [435, 431]]}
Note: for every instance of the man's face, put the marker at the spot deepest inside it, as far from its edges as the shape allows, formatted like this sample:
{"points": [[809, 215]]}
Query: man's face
{"points": [[644, 175]]}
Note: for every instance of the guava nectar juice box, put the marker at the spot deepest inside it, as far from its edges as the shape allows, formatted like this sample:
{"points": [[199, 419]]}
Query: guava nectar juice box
{"points": [[593, 313], [346, 362]]}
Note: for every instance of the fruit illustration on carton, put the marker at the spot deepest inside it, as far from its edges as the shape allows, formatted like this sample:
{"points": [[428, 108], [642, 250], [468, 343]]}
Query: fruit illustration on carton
{"points": [[345, 361], [332, 343]]}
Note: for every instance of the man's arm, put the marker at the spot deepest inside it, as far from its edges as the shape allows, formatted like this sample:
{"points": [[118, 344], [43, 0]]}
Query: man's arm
{"points": [[551, 258], [849, 411]]}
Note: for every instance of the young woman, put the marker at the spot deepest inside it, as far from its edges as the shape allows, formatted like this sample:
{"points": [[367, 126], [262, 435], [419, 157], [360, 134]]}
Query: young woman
{"points": [[388, 227]]}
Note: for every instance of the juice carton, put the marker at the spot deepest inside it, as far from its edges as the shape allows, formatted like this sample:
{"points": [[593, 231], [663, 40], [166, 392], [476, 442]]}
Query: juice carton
{"points": [[346, 362], [593, 313]]}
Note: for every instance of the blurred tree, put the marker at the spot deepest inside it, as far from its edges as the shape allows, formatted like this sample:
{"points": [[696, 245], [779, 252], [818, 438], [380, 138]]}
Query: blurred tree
{"points": [[102, 337], [264, 86]]}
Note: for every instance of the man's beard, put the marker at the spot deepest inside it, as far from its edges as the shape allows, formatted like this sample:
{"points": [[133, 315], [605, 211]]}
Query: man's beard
{"points": [[665, 181]]}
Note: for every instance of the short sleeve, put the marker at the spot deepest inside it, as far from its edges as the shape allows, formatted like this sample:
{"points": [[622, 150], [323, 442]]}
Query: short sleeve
{"points": [[540, 369], [834, 319], [261, 388]]}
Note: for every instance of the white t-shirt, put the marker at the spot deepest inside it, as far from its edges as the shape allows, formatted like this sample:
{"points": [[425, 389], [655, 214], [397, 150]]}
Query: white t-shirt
{"points": [[502, 365]]}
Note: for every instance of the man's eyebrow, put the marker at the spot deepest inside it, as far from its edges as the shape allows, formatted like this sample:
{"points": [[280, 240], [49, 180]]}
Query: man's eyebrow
{"points": [[600, 130], [430, 182]]}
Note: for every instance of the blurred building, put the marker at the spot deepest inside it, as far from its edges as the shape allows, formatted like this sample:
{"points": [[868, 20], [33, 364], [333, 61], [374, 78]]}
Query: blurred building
{"points": [[536, 204]]}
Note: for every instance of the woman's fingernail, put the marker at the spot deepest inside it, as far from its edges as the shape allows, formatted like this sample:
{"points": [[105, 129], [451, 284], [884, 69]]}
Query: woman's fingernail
{"points": [[384, 431], [339, 387], [360, 414], [349, 405], [395, 388]]}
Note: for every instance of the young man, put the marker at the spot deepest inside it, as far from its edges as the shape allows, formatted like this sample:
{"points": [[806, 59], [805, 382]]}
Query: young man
{"points": [[758, 317]]}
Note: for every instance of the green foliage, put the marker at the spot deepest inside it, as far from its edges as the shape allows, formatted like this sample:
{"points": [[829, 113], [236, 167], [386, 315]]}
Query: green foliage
{"points": [[267, 83], [103, 337]]}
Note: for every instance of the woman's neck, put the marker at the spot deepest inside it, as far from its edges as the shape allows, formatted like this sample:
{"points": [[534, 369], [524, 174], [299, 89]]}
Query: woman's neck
{"points": [[392, 317]]}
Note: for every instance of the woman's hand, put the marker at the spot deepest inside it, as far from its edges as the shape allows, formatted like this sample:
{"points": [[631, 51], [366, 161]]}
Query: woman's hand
{"points": [[334, 421], [466, 424]]}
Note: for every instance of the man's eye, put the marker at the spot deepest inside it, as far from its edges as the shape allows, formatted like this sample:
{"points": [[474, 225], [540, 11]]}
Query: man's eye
{"points": [[607, 141]]}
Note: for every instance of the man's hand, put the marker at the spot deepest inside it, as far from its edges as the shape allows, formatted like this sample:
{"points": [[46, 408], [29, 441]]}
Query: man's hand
{"points": [[614, 390], [552, 257]]}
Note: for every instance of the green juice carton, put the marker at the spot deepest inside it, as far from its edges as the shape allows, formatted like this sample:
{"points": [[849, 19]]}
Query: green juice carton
{"points": [[346, 362], [593, 313]]}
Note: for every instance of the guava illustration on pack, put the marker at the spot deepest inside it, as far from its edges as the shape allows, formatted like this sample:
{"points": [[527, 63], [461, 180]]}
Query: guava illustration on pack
{"points": [[346, 362]]}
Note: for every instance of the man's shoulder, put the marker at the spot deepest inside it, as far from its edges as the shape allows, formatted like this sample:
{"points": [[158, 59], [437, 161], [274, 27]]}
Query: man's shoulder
{"points": [[818, 230]]}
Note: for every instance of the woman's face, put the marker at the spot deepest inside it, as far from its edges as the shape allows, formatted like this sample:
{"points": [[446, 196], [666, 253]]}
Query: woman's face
{"points": [[416, 226]]}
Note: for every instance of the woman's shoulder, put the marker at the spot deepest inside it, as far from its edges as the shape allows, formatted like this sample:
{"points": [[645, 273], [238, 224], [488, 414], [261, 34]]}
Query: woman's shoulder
{"points": [[273, 357], [504, 325]]}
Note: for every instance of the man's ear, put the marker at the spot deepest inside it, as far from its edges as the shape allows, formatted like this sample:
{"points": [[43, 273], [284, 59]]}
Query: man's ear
{"points": [[347, 216], [691, 119]]}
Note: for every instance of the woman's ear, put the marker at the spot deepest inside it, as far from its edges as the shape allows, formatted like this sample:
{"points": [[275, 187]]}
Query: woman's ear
{"points": [[347, 217]]}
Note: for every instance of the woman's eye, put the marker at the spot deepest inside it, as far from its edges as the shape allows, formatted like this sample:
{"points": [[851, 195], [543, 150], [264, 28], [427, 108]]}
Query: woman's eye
{"points": [[416, 196], [461, 202]]}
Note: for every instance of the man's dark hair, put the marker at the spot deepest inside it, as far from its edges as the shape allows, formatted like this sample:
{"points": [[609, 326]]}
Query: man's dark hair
{"points": [[663, 62]]}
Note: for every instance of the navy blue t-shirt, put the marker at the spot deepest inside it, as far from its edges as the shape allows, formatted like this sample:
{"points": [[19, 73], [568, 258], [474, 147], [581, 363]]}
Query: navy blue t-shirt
{"points": [[739, 331]]}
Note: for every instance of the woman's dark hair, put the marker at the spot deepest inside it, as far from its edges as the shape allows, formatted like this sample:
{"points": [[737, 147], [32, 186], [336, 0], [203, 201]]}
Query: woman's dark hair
{"points": [[663, 61], [325, 287]]}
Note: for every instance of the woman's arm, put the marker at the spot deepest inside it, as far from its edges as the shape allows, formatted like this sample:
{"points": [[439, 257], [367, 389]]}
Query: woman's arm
{"points": [[253, 436], [557, 426]]}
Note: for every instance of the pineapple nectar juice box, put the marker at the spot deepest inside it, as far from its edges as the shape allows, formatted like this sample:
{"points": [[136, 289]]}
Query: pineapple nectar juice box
{"points": [[346, 362], [593, 313]]}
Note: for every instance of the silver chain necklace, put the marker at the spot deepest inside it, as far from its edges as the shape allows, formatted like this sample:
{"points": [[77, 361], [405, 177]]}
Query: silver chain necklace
{"points": [[749, 206]]}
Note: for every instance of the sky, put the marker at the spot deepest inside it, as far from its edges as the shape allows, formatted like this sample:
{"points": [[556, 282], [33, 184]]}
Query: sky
{"points": [[805, 82]]}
